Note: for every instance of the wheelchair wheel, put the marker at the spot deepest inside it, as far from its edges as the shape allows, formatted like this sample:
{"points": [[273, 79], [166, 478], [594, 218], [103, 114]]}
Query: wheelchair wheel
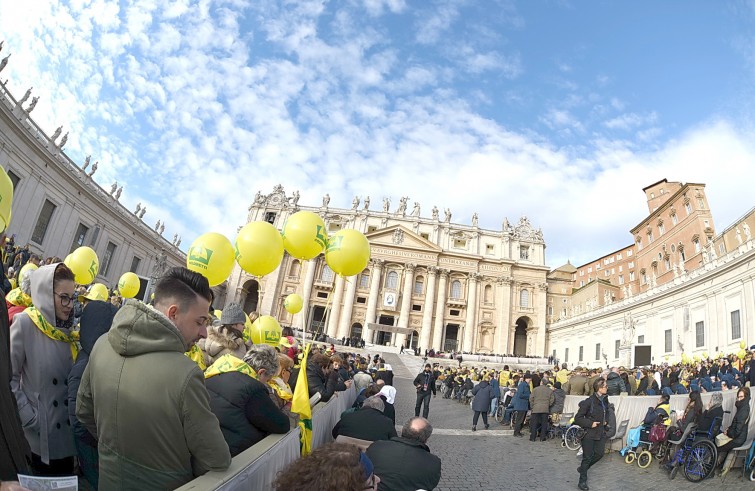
{"points": [[644, 459], [752, 474], [701, 461], [629, 459], [660, 454], [674, 472], [499, 414], [573, 437]]}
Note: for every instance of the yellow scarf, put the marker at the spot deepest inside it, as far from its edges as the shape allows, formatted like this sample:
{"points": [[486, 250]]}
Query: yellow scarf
{"points": [[281, 388], [229, 363], [18, 297], [53, 332], [196, 355]]}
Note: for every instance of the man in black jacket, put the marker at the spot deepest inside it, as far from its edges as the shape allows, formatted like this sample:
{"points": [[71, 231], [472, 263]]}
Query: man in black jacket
{"points": [[593, 417], [425, 383], [405, 463], [368, 423]]}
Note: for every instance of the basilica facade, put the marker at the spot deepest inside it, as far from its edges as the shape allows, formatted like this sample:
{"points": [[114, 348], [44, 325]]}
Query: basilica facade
{"points": [[430, 282]]}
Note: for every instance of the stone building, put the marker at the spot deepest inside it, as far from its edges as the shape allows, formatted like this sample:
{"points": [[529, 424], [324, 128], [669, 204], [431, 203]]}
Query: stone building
{"points": [[430, 283], [57, 205], [679, 288]]}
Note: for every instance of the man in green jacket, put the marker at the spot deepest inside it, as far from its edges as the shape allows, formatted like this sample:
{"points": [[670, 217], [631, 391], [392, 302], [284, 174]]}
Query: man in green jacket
{"points": [[144, 400]]}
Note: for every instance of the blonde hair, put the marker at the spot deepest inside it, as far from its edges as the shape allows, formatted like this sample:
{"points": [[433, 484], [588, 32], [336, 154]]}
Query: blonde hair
{"points": [[286, 362]]}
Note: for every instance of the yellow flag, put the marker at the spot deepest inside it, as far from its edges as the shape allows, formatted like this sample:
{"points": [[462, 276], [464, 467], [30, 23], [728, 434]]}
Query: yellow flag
{"points": [[196, 354], [300, 405]]}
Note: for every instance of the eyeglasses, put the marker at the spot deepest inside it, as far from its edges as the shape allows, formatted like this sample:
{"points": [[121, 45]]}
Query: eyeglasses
{"points": [[65, 300]]}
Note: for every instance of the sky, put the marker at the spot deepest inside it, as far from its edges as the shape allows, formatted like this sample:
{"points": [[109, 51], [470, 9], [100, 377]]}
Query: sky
{"points": [[558, 110]]}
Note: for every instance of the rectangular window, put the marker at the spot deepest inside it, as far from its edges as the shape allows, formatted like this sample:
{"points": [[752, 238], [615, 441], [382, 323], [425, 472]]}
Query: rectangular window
{"points": [[631, 265], [364, 280], [697, 245], [621, 268], [361, 299], [43, 222], [78, 239], [524, 253], [589, 269], [322, 294], [371, 229], [460, 243], [650, 237], [270, 217], [629, 253], [668, 340], [661, 229], [699, 334], [135, 262], [674, 219], [489, 248], [736, 331], [631, 276], [581, 352], [417, 308], [14, 179], [454, 313], [621, 279], [721, 248], [425, 235], [616, 346], [700, 203], [641, 339], [107, 258], [688, 208], [597, 352], [566, 354]]}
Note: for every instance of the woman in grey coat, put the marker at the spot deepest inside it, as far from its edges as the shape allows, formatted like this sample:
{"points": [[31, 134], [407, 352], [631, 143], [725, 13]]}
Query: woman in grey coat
{"points": [[483, 395], [42, 354]]}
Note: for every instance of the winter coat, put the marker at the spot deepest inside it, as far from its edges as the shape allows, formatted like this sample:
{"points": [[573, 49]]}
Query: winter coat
{"points": [[590, 410], [709, 415], [737, 431], [421, 379], [541, 399], [152, 417], [483, 395], [615, 384], [244, 409], [13, 445], [521, 400], [495, 389], [644, 386], [576, 385], [385, 375], [559, 398], [317, 381], [96, 320], [40, 374], [220, 342], [404, 465], [563, 376], [366, 424]]}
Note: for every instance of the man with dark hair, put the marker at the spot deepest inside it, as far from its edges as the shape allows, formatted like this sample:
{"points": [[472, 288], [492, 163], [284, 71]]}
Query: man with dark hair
{"points": [[425, 383], [405, 462], [593, 417], [145, 400]]}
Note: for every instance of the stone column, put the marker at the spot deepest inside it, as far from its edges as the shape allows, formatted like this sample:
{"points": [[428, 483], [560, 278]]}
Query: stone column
{"points": [[469, 323], [427, 315], [440, 309], [372, 301], [301, 318], [406, 302], [504, 316], [335, 308], [540, 315], [267, 303], [344, 325]]}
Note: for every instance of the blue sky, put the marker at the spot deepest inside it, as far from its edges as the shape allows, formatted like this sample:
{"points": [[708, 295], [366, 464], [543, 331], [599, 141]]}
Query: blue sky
{"points": [[558, 110]]}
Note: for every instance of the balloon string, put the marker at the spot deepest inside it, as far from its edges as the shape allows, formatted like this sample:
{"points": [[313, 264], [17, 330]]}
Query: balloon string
{"points": [[327, 308]]}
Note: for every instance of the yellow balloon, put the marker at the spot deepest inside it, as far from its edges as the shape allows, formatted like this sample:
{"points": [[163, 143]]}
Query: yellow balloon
{"points": [[259, 248], [696, 358], [348, 252], [741, 354], [98, 291], [28, 268], [6, 198], [211, 255], [293, 303], [266, 330], [705, 355], [742, 344], [304, 235], [129, 285], [84, 264]]}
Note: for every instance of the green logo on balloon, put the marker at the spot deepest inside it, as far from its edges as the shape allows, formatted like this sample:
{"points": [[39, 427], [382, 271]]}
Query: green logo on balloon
{"points": [[320, 237], [200, 255], [272, 337], [334, 243], [93, 270]]}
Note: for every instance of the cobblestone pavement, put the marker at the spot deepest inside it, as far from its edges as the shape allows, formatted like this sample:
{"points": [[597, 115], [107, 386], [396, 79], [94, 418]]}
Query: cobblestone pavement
{"points": [[494, 460]]}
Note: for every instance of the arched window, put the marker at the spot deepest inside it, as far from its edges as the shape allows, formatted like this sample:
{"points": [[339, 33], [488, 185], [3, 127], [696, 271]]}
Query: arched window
{"points": [[391, 280], [456, 289], [327, 274], [295, 269], [488, 295], [419, 285], [524, 298], [364, 279]]}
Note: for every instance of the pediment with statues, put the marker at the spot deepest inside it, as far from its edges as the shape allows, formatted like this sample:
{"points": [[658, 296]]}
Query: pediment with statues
{"points": [[524, 231], [402, 237]]}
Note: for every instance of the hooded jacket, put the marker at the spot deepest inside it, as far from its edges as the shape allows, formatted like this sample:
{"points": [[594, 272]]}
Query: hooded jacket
{"points": [[220, 342], [483, 396], [152, 417], [404, 464], [40, 374], [615, 384]]}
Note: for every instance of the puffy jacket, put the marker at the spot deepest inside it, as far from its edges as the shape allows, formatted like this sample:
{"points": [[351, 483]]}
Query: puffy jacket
{"points": [[404, 465], [615, 384], [559, 398], [152, 418], [593, 409], [521, 400], [483, 395], [244, 409]]}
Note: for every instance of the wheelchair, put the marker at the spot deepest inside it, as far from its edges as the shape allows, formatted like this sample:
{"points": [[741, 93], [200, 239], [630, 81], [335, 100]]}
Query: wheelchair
{"points": [[558, 429], [573, 437], [697, 453]]}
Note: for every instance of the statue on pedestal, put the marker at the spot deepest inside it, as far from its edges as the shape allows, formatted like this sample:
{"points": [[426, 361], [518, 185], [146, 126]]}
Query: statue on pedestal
{"points": [[138, 208], [435, 212], [366, 203], [475, 219], [739, 237], [402, 206], [57, 133], [355, 203], [63, 140], [448, 215], [386, 204], [295, 199], [4, 62], [113, 188], [157, 226], [94, 169], [33, 104], [746, 229], [415, 211], [86, 162], [628, 331], [25, 97], [141, 213], [118, 193], [326, 200], [162, 228]]}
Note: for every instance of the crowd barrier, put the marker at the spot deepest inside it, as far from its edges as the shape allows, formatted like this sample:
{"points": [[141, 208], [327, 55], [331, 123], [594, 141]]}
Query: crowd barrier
{"points": [[256, 467], [634, 408]]}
